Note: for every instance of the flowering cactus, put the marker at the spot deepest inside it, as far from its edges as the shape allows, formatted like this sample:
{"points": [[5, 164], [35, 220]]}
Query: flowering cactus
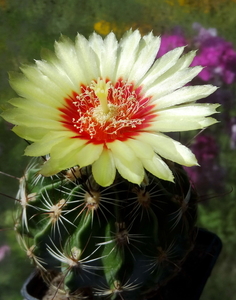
{"points": [[107, 211]]}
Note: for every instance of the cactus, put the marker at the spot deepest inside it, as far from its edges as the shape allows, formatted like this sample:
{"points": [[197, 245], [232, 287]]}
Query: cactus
{"points": [[117, 242], [106, 210]]}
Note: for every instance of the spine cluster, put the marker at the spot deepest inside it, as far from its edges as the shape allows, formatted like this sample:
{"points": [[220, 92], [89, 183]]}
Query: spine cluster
{"points": [[117, 242]]}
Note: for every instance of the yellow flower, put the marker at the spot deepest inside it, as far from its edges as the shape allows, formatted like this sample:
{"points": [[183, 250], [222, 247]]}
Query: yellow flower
{"points": [[106, 103], [103, 27]]}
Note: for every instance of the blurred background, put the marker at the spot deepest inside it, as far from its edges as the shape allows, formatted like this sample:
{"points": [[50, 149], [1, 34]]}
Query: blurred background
{"points": [[28, 26]]}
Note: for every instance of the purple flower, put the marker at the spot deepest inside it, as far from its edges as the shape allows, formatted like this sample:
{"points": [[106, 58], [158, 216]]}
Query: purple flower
{"points": [[170, 42], [217, 55], [203, 34], [205, 148], [4, 250], [210, 175]]}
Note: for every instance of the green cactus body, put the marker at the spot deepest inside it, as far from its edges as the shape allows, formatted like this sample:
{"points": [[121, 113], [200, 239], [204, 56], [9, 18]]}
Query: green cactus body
{"points": [[118, 242]]}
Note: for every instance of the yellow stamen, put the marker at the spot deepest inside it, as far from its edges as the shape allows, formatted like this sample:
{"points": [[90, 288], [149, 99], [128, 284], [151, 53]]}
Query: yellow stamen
{"points": [[101, 89]]}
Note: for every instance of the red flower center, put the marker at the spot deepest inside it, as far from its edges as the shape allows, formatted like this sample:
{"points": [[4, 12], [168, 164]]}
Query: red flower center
{"points": [[103, 112]]}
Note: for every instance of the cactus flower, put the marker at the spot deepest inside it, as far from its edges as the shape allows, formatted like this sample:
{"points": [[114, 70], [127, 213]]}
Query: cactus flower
{"points": [[108, 104]]}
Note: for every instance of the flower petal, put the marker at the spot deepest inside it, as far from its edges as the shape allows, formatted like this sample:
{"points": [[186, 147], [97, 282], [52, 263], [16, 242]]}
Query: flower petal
{"points": [[88, 154], [121, 149], [54, 166], [161, 66], [189, 110], [45, 145], [131, 170], [184, 118], [19, 116], [58, 76], [70, 62], [106, 50], [127, 55], [183, 95], [149, 46], [35, 76], [66, 147], [186, 124], [87, 58], [169, 148], [27, 89], [127, 164], [36, 109], [170, 82], [103, 169], [141, 150], [158, 168], [30, 133]]}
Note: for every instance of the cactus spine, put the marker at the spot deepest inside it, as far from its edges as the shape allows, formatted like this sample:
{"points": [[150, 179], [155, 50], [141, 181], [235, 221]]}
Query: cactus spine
{"points": [[117, 242]]}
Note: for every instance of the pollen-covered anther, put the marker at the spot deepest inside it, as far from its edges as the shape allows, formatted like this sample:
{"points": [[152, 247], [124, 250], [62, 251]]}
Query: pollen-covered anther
{"points": [[92, 200], [56, 210]]}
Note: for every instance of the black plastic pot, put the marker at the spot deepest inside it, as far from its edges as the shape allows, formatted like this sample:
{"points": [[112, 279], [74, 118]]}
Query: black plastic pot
{"points": [[187, 285]]}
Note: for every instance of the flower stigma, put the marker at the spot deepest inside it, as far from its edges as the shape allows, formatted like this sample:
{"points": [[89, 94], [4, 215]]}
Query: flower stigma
{"points": [[101, 89]]}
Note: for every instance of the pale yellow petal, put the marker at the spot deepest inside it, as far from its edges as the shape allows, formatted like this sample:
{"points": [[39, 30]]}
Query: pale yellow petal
{"points": [[161, 66], [69, 60], [141, 150], [87, 58], [19, 116], [89, 154], [66, 147], [49, 168], [127, 53], [121, 149], [158, 168], [167, 83], [146, 57], [36, 109], [185, 124], [30, 91], [45, 145], [169, 148], [55, 71], [189, 110], [131, 170], [32, 134], [103, 169], [183, 95], [53, 166], [106, 51], [41, 148], [126, 161], [36, 77]]}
